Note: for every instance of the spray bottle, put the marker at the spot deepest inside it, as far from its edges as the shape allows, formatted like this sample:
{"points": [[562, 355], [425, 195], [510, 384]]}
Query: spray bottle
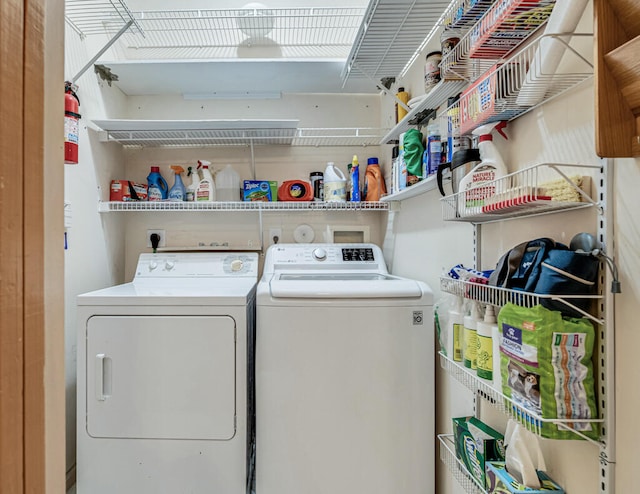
{"points": [[190, 195], [206, 191], [178, 191], [473, 191]]}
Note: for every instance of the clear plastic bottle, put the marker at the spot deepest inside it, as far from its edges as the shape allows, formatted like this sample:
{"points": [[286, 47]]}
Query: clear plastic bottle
{"points": [[227, 184]]}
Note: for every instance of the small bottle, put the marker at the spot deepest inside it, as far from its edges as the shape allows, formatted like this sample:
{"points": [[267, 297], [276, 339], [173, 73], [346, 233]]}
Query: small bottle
{"points": [[355, 179], [456, 325], [403, 96], [190, 194], [471, 337], [497, 371], [485, 330]]}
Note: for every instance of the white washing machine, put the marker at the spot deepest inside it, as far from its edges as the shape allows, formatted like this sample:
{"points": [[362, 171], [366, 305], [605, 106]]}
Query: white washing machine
{"points": [[344, 374], [165, 378]]}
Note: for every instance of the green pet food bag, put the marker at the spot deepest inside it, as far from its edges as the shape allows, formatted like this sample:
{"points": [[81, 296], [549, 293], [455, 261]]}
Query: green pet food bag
{"points": [[546, 366]]}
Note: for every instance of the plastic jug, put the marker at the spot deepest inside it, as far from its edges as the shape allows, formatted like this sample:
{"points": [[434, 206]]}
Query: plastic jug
{"points": [[157, 186], [374, 181], [227, 184], [335, 184]]}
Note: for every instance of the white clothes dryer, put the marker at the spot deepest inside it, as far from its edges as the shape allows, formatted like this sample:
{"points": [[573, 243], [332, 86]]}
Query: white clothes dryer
{"points": [[344, 374], [165, 378]]}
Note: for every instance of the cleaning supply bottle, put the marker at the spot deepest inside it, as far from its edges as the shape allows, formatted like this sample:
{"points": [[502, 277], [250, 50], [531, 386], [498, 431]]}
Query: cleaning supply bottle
{"points": [[401, 111], [433, 148], [471, 337], [227, 184], [490, 168], [206, 191], [485, 330], [178, 192], [355, 179], [455, 333], [334, 184], [190, 195], [156, 185], [374, 186]]}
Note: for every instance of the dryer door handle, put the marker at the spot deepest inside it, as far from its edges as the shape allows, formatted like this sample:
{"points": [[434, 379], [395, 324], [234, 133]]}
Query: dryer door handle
{"points": [[103, 377]]}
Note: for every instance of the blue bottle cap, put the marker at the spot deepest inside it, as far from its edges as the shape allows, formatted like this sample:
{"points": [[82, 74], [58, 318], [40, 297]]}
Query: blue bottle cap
{"points": [[372, 161]]}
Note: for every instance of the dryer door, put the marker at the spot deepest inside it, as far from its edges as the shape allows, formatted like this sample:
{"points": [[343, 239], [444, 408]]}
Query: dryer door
{"points": [[170, 377]]}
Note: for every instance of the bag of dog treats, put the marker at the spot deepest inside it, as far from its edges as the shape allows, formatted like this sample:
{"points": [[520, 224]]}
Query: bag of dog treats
{"points": [[546, 367]]}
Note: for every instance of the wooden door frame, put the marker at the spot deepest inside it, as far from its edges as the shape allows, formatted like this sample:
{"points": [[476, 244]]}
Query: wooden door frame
{"points": [[32, 385]]}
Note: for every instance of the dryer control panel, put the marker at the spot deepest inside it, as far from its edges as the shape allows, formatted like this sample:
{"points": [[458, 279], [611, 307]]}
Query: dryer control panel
{"points": [[197, 265]]}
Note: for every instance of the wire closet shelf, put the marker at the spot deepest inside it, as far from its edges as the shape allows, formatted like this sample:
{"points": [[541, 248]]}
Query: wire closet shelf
{"points": [[540, 189], [219, 33], [239, 206], [528, 419], [456, 467], [90, 17]]}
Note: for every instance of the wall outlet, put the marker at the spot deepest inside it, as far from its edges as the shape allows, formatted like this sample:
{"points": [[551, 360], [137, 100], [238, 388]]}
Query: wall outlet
{"points": [[275, 236], [163, 238]]}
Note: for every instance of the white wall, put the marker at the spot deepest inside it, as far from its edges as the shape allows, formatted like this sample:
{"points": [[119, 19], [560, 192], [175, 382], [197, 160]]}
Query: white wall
{"points": [[560, 131], [95, 250]]}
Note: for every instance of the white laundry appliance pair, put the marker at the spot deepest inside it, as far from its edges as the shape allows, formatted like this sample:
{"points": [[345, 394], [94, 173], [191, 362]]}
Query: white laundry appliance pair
{"points": [[165, 370], [344, 374]]}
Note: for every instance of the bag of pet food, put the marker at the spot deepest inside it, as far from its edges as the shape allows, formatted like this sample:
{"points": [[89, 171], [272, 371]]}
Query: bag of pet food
{"points": [[546, 367]]}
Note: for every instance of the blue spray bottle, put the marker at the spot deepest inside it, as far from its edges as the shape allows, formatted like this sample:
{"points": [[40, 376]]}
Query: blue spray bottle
{"points": [[178, 192], [157, 186]]}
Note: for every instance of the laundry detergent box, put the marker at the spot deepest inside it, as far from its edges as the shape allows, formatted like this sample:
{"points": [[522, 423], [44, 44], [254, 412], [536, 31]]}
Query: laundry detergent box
{"points": [[499, 481], [126, 190], [257, 190], [546, 368], [476, 444]]}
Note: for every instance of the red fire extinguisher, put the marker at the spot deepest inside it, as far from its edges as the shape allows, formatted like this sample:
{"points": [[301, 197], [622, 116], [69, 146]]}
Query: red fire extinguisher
{"points": [[71, 117]]}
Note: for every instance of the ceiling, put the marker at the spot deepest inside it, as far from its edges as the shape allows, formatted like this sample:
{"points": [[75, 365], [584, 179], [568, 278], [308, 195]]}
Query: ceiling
{"points": [[252, 49]]}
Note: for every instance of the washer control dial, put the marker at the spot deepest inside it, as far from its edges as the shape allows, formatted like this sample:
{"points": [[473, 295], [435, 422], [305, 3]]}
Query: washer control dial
{"points": [[153, 265], [319, 254], [169, 265], [237, 265]]}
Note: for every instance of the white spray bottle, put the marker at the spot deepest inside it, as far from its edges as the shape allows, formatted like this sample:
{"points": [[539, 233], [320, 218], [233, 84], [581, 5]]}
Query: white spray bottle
{"points": [[473, 191]]}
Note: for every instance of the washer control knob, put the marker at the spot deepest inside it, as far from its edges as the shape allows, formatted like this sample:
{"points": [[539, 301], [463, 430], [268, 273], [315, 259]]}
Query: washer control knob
{"points": [[169, 265], [236, 265], [153, 265], [319, 254]]}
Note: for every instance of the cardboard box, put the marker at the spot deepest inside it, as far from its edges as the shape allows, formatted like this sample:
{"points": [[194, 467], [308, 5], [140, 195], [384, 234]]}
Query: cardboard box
{"points": [[499, 481], [476, 444], [125, 190], [257, 190]]}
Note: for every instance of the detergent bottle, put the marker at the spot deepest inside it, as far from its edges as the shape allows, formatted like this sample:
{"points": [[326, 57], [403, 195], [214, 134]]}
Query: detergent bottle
{"points": [[190, 194], [473, 191], [355, 179], [157, 186], [206, 191], [178, 191], [334, 184], [374, 181]]}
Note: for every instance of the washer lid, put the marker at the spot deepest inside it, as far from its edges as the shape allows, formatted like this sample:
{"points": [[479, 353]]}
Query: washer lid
{"points": [[342, 285]]}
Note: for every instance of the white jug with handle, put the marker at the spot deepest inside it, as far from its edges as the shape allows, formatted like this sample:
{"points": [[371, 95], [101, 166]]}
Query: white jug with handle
{"points": [[335, 184]]}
